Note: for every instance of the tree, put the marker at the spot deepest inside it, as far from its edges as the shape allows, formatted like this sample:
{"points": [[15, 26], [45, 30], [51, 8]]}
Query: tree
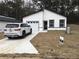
{"points": [[13, 8]]}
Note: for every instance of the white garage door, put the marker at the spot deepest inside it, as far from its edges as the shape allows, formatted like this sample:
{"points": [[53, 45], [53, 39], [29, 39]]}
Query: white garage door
{"points": [[34, 25]]}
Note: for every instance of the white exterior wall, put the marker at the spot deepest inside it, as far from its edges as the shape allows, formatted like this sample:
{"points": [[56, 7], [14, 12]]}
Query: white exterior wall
{"points": [[35, 17], [46, 15]]}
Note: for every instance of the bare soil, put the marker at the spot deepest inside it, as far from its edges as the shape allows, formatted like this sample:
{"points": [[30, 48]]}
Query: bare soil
{"points": [[48, 44], [1, 35]]}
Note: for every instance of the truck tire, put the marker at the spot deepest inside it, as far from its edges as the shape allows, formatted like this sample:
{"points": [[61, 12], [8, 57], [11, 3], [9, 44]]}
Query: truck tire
{"points": [[23, 34], [30, 31], [10, 37]]}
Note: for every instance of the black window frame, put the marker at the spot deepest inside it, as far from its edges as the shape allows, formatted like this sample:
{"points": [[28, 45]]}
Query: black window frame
{"points": [[61, 23], [51, 24], [28, 22], [32, 21]]}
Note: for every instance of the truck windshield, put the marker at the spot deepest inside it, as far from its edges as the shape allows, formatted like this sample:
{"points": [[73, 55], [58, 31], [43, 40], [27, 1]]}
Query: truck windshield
{"points": [[12, 25]]}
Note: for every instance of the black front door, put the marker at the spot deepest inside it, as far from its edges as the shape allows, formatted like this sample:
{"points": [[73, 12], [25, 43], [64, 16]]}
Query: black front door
{"points": [[45, 25]]}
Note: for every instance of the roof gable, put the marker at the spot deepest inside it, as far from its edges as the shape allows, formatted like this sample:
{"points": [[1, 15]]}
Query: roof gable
{"points": [[34, 17], [46, 15], [50, 12], [45, 10], [52, 15]]}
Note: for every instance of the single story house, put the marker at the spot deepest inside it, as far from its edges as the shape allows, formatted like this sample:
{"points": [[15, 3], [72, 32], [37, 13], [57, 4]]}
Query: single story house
{"points": [[4, 20], [46, 20]]}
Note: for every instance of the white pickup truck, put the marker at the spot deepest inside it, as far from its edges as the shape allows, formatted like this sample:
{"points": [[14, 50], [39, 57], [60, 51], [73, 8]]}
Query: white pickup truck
{"points": [[17, 29]]}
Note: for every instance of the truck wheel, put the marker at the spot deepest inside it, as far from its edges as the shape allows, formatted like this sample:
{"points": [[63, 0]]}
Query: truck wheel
{"points": [[23, 34], [30, 31], [9, 37]]}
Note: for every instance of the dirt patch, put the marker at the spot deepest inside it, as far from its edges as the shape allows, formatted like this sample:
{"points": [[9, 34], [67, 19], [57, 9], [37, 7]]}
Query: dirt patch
{"points": [[48, 46], [1, 35]]}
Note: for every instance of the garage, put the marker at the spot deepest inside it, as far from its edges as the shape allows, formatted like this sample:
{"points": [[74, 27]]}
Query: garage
{"points": [[34, 25]]}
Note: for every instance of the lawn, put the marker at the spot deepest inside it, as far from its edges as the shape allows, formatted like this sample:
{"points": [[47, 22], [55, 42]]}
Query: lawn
{"points": [[48, 46]]}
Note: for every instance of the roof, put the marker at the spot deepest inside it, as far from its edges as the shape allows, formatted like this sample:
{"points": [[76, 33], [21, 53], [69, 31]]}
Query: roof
{"points": [[16, 23], [8, 19], [46, 15], [47, 10]]}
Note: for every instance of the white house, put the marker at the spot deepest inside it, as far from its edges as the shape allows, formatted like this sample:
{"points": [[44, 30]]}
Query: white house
{"points": [[46, 20], [4, 20]]}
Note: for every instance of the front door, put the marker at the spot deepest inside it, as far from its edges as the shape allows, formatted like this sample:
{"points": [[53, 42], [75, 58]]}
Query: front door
{"points": [[45, 25]]}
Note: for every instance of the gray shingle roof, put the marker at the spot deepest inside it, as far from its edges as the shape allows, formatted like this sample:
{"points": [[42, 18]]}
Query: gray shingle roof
{"points": [[8, 19]]}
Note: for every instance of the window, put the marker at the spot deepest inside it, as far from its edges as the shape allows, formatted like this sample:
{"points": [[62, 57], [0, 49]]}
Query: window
{"points": [[28, 22], [51, 23], [62, 22], [12, 25], [37, 22], [32, 22], [27, 25], [23, 25]]}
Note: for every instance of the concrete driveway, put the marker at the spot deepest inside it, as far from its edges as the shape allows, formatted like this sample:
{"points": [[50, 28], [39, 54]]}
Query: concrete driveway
{"points": [[13, 46]]}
